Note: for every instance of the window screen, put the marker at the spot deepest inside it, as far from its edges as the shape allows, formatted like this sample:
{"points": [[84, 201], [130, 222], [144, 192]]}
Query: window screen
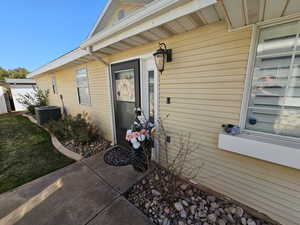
{"points": [[274, 105], [82, 87]]}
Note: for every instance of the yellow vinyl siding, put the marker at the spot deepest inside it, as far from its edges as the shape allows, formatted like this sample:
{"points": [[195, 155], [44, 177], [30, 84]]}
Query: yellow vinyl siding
{"points": [[205, 82], [99, 109]]}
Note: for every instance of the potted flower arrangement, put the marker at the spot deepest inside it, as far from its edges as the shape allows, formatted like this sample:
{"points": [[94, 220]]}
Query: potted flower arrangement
{"points": [[140, 138]]}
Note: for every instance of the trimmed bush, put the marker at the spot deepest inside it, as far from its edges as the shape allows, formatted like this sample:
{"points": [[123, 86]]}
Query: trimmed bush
{"points": [[75, 128]]}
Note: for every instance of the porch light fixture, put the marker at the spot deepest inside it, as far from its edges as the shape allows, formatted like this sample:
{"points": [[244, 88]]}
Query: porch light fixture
{"points": [[162, 55]]}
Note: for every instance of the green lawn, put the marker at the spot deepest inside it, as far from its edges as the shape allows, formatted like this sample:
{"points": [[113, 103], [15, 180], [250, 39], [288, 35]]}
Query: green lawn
{"points": [[26, 152]]}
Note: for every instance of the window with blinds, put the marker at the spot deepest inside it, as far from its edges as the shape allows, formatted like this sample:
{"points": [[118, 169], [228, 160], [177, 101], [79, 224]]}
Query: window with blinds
{"points": [[83, 87], [274, 104]]}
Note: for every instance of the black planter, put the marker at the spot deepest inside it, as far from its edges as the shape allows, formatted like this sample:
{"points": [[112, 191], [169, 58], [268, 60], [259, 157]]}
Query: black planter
{"points": [[140, 159]]}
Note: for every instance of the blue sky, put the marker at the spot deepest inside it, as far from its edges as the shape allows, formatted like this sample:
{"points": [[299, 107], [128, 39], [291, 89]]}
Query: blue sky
{"points": [[33, 32]]}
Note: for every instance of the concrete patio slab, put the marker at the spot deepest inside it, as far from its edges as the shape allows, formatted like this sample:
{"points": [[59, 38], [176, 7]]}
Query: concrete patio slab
{"points": [[121, 212], [70, 196], [120, 178]]}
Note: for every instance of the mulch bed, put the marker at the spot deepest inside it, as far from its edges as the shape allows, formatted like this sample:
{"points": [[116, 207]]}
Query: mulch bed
{"points": [[191, 206], [88, 149]]}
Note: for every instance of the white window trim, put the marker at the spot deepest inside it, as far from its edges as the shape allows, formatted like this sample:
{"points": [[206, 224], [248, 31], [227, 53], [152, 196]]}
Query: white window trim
{"points": [[279, 152], [88, 86], [248, 82], [279, 149]]}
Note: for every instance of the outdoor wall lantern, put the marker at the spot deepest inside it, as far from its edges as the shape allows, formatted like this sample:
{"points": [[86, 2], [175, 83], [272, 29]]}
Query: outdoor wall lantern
{"points": [[162, 55]]}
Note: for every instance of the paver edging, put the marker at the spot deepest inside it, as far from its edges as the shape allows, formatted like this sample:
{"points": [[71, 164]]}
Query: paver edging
{"points": [[56, 143]]}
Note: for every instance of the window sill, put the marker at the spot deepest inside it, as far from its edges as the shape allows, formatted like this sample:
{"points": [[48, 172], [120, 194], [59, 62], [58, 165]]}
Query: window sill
{"points": [[268, 149], [87, 105]]}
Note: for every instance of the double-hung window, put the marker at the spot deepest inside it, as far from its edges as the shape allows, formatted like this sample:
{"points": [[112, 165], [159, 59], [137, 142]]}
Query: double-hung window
{"points": [[274, 101], [82, 82]]}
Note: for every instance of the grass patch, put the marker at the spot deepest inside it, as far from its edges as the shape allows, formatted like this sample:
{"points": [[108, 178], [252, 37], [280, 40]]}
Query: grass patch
{"points": [[26, 152]]}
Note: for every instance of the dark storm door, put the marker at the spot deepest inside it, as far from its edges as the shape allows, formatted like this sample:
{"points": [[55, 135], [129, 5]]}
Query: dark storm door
{"points": [[126, 95]]}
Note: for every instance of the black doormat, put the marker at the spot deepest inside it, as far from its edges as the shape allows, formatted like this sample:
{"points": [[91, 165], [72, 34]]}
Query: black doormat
{"points": [[117, 156]]}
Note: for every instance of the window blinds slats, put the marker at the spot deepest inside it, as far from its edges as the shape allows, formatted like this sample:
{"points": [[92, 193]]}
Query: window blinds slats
{"points": [[82, 87], [275, 94]]}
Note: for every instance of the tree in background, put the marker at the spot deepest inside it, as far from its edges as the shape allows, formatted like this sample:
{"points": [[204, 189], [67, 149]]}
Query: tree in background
{"points": [[19, 72], [3, 73]]}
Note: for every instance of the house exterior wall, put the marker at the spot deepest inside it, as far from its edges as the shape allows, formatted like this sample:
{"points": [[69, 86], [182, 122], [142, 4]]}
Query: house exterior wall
{"points": [[205, 82], [99, 110], [3, 107]]}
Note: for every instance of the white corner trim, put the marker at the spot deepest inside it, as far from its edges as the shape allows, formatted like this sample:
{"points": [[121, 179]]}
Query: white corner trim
{"points": [[249, 145]]}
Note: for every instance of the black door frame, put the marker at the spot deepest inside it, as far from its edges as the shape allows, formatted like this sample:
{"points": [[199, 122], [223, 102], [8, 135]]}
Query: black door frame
{"points": [[121, 66]]}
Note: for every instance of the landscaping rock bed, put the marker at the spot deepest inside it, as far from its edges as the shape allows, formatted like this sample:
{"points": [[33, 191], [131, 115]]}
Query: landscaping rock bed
{"points": [[88, 149], [191, 206]]}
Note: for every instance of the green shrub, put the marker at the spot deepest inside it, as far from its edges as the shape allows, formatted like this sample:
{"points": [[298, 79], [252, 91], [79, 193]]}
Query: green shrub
{"points": [[76, 128], [35, 99], [59, 128], [31, 109]]}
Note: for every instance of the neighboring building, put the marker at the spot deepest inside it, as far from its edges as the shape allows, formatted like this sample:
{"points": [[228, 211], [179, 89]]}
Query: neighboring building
{"points": [[3, 99], [20, 87], [234, 61]]}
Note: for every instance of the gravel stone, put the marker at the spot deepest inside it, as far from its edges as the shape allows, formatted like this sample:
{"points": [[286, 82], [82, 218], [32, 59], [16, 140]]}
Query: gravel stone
{"points": [[155, 192], [212, 217], [183, 214], [184, 186], [180, 222], [221, 222], [166, 221], [239, 212], [167, 210], [211, 198], [185, 203], [193, 209], [244, 221], [178, 206], [191, 206], [251, 222], [232, 210], [156, 177]]}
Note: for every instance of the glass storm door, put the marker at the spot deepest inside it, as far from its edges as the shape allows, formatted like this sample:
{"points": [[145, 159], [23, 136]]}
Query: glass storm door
{"points": [[126, 95]]}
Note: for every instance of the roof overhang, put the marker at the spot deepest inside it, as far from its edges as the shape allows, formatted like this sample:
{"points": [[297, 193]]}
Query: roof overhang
{"points": [[152, 15], [63, 60], [163, 18], [240, 13], [147, 19], [20, 81]]}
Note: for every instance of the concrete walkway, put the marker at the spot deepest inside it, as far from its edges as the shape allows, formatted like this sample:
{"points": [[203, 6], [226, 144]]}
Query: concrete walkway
{"points": [[88, 192]]}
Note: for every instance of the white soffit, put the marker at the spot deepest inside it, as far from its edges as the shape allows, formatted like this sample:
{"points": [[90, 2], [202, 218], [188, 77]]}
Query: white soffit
{"points": [[243, 12], [274, 8], [143, 20], [236, 14], [210, 14], [292, 7]]}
